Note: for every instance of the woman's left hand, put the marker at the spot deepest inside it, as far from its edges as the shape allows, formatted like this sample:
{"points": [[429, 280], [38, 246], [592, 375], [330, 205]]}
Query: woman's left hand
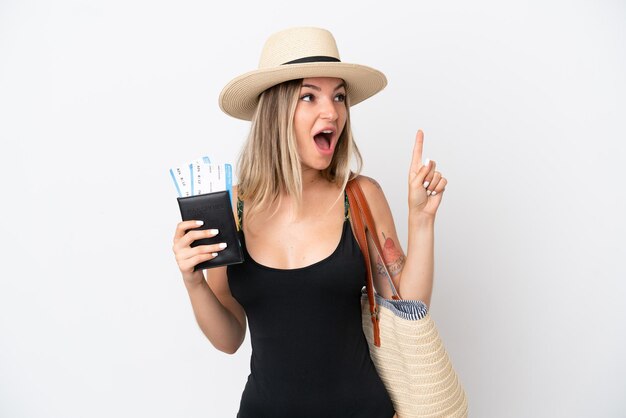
{"points": [[426, 186]]}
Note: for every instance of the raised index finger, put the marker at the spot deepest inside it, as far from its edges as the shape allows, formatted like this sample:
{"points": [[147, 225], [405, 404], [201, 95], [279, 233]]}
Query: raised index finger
{"points": [[416, 161]]}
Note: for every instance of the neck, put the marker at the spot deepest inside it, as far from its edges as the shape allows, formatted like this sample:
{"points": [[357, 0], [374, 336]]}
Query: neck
{"points": [[310, 177]]}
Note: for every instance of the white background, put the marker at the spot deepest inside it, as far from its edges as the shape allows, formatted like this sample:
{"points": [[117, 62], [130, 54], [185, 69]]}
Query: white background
{"points": [[523, 107]]}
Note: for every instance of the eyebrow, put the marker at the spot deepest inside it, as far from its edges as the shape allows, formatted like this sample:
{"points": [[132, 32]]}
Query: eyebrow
{"points": [[314, 87]]}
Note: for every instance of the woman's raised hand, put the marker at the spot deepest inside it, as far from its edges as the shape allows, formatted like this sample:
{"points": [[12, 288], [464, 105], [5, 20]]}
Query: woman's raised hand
{"points": [[188, 257], [426, 185]]}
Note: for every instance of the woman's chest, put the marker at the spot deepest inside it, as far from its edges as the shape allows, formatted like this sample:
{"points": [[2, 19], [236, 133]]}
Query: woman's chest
{"points": [[281, 244]]}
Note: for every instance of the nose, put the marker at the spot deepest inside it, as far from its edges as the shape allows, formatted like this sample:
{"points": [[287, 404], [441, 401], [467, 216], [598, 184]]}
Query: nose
{"points": [[328, 111], [331, 116]]}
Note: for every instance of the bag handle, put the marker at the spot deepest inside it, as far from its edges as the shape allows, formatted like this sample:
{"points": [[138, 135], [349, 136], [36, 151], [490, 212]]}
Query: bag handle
{"points": [[360, 203], [363, 222]]}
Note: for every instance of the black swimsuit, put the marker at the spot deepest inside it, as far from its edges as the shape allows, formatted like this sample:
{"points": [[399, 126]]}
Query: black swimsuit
{"points": [[309, 355]]}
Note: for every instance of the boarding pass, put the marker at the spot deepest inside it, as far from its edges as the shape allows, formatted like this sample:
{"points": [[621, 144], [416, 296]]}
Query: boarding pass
{"points": [[201, 176]]}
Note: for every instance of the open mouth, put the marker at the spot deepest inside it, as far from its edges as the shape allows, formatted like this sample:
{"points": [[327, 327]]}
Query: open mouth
{"points": [[323, 139]]}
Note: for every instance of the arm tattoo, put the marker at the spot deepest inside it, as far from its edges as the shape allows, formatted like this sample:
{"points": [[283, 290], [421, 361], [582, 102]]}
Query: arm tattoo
{"points": [[393, 259], [380, 268]]}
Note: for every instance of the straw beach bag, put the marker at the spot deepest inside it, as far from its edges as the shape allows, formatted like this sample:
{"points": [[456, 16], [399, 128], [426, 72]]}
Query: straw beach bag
{"points": [[404, 343]]}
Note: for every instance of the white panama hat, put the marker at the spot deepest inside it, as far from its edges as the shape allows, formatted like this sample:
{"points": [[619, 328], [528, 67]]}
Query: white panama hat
{"points": [[293, 54]]}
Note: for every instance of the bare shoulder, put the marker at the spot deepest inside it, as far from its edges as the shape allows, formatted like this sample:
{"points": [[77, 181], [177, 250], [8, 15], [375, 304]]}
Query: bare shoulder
{"points": [[377, 202], [374, 194]]}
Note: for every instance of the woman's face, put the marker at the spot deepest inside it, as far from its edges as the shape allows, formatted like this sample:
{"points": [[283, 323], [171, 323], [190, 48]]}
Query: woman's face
{"points": [[319, 120]]}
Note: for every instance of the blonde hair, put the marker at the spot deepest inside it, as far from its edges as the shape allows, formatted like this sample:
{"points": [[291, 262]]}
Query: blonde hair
{"points": [[269, 163]]}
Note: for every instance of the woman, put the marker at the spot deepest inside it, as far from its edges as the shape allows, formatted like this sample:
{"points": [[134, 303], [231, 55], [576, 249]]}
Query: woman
{"points": [[301, 281]]}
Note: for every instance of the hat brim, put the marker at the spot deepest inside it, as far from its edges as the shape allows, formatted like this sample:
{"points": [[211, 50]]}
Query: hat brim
{"points": [[240, 97]]}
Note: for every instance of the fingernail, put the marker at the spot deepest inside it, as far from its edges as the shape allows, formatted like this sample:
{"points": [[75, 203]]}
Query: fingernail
{"points": [[214, 231], [433, 193], [426, 183], [214, 254], [222, 245], [199, 223], [427, 161], [428, 192]]}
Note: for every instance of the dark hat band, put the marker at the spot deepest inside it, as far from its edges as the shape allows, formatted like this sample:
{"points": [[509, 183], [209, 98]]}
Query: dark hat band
{"points": [[320, 58]]}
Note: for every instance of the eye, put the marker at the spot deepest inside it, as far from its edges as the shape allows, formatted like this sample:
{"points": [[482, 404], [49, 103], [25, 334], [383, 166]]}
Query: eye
{"points": [[340, 97], [307, 97]]}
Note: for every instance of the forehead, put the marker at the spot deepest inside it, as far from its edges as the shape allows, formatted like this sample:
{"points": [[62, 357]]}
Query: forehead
{"points": [[323, 82]]}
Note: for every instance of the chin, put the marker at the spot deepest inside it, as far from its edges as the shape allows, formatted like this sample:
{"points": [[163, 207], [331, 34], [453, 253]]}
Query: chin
{"points": [[320, 166]]}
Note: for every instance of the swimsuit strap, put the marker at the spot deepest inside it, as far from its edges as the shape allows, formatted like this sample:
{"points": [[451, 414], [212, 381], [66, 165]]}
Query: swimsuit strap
{"points": [[239, 214]]}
